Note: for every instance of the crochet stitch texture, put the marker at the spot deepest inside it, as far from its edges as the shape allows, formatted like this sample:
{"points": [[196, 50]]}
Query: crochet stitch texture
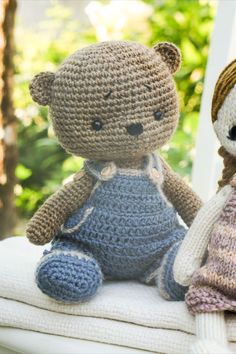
{"points": [[214, 284], [113, 103], [224, 85], [127, 225], [206, 258]]}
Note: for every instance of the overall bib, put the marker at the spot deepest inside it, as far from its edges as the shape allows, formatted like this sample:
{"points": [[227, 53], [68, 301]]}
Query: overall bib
{"points": [[127, 229]]}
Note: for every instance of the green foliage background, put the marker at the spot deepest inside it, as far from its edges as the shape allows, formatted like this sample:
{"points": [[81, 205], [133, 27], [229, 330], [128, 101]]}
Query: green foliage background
{"points": [[43, 165]]}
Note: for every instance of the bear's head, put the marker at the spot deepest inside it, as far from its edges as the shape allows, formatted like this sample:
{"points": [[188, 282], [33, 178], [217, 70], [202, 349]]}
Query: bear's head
{"points": [[113, 100]]}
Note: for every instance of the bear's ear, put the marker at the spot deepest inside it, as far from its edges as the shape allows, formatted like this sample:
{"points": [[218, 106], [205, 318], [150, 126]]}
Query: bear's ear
{"points": [[40, 87], [170, 55]]}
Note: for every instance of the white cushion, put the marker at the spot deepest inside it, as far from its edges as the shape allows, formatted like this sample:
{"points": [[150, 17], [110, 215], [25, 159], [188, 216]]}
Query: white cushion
{"points": [[123, 313], [14, 341]]}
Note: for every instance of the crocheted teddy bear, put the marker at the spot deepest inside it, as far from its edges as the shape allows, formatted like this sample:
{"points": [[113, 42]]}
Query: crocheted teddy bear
{"points": [[213, 234], [114, 104]]}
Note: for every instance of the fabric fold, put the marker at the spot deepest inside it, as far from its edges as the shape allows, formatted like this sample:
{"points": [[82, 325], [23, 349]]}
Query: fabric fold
{"points": [[123, 313]]}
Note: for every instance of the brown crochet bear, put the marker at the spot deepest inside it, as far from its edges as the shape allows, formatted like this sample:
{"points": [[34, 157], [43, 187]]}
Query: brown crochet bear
{"points": [[114, 104]]}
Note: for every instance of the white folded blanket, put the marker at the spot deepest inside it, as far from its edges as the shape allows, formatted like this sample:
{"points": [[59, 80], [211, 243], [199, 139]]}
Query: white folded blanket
{"points": [[123, 313]]}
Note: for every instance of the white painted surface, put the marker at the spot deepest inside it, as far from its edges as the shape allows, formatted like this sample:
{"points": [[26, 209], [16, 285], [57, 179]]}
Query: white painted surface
{"points": [[207, 165]]}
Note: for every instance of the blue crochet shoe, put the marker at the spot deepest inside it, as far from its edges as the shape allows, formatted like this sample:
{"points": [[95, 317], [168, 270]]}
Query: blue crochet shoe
{"points": [[68, 276]]}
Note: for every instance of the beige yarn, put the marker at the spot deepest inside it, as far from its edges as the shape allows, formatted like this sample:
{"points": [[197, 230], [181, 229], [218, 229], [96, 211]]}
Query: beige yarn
{"points": [[204, 235], [47, 220], [193, 248], [118, 84], [181, 196], [40, 87], [170, 55]]}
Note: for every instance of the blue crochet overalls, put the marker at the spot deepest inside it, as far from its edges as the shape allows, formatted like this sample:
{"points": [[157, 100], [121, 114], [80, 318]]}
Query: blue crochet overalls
{"points": [[125, 230]]}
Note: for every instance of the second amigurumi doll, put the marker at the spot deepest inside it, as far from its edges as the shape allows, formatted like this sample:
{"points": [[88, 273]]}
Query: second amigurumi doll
{"points": [[113, 103], [206, 259]]}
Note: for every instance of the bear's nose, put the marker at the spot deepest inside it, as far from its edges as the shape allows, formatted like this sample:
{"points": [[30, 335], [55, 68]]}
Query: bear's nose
{"points": [[135, 129]]}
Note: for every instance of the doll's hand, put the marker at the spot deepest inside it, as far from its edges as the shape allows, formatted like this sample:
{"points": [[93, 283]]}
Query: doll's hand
{"points": [[193, 249], [185, 268]]}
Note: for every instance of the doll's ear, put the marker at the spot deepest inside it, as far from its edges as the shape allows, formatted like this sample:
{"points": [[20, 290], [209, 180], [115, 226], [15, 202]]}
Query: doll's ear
{"points": [[40, 87], [170, 54]]}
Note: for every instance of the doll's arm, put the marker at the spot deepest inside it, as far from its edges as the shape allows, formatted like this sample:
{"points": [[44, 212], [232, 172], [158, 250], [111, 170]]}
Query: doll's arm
{"points": [[194, 246], [185, 201], [47, 220]]}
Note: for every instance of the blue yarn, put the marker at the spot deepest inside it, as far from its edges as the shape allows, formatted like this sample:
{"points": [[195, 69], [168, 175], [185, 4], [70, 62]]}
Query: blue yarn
{"points": [[68, 278], [127, 225], [166, 283]]}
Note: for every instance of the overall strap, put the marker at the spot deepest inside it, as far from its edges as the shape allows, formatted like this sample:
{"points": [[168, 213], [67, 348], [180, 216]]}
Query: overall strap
{"points": [[154, 168], [102, 171]]}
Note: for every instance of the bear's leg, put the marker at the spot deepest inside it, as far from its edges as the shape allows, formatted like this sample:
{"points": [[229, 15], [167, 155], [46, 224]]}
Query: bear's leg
{"points": [[211, 334], [68, 273], [167, 286]]}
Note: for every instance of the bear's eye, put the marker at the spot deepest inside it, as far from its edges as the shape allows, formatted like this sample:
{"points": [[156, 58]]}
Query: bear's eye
{"points": [[97, 124], [148, 87], [158, 115]]}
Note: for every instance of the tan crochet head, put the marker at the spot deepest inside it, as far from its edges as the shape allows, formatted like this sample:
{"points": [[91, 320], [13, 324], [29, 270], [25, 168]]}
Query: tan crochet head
{"points": [[224, 119], [113, 100]]}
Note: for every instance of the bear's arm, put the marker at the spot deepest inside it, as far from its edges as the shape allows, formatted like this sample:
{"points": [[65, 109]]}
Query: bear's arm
{"points": [[47, 221], [185, 201]]}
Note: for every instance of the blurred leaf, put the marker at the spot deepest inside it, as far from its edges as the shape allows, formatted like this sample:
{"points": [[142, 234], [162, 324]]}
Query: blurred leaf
{"points": [[72, 164], [22, 172]]}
